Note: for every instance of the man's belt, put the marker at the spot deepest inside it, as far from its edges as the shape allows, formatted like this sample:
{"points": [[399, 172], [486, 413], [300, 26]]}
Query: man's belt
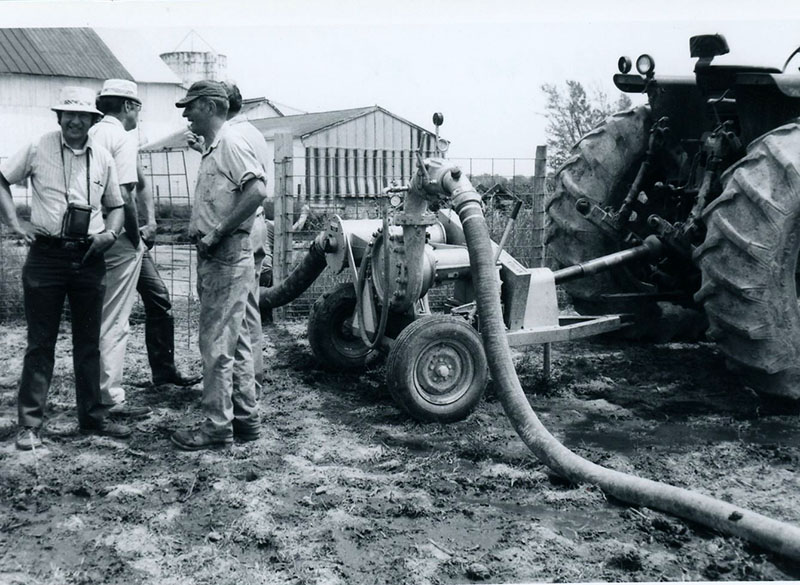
{"points": [[200, 235], [54, 243]]}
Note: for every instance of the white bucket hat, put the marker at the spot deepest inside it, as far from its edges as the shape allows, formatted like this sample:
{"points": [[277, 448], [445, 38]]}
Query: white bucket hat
{"points": [[120, 88], [76, 99]]}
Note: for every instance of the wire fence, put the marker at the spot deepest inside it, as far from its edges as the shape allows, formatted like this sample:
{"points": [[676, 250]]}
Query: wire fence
{"points": [[501, 182], [329, 187]]}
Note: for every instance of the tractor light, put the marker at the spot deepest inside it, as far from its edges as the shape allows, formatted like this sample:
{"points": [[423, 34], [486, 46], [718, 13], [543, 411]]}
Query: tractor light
{"points": [[624, 64], [645, 64]]}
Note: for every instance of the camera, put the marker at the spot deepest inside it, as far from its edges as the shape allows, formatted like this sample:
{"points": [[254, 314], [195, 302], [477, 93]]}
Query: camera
{"points": [[76, 221]]}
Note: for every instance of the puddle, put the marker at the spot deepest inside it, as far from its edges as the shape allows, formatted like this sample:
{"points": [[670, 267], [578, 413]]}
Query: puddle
{"points": [[626, 437]]}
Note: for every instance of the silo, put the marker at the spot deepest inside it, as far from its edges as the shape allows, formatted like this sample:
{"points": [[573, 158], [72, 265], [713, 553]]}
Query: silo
{"points": [[191, 64]]}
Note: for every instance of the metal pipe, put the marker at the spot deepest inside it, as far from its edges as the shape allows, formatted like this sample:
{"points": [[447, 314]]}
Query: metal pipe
{"points": [[507, 230]]}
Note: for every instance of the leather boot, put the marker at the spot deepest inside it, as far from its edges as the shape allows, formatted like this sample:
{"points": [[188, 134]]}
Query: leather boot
{"points": [[159, 337]]}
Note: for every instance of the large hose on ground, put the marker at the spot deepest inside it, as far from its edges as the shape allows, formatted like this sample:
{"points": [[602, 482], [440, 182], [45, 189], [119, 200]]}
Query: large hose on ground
{"points": [[779, 537], [298, 281]]}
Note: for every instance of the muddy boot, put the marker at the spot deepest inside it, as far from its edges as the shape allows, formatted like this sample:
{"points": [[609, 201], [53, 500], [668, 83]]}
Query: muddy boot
{"points": [[159, 337]]}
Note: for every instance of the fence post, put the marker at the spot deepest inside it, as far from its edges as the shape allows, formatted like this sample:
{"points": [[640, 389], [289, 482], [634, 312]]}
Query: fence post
{"points": [[284, 211], [537, 205], [539, 174]]}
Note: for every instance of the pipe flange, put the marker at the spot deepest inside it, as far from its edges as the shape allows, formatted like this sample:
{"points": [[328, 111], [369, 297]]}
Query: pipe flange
{"points": [[426, 218]]}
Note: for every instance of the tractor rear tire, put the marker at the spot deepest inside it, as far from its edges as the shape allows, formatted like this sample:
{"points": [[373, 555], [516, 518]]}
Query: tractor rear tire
{"points": [[437, 369], [330, 336], [601, 169], [749, 263]]}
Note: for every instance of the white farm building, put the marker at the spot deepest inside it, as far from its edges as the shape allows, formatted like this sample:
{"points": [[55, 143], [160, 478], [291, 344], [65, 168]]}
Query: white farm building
{"points": [[351, 152], [35, 63]]}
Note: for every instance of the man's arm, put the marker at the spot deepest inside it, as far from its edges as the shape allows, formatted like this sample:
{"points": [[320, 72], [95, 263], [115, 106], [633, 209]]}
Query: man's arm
{"points": [[115, 219], [253, 194], [144, 199], [113, 203], [9, 213], [130, 213]]}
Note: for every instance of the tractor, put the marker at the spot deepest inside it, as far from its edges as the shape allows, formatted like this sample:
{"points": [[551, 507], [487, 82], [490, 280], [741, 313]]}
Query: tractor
{"points": [[711, 167]]}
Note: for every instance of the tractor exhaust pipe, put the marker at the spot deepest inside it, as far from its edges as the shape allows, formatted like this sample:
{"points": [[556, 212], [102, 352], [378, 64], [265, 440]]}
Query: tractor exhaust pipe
{"points": [[437, 182]]}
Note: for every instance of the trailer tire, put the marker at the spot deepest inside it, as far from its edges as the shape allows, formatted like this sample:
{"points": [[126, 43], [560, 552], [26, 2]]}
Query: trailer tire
{"points": [[329, 336], [437, 370], [749, 263]]}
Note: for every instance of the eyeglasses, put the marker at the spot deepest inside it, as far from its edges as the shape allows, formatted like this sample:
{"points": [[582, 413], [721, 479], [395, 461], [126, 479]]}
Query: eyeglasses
{"points": [[136, 106]]}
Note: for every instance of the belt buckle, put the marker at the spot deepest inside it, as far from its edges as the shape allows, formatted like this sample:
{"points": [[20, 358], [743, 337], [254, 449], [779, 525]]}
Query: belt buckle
{"points": [[72, 244]]}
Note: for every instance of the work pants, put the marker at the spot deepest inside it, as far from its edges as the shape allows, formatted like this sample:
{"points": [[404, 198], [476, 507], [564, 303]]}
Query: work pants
{"points": [[123, 264], [49, 275], [159, 325], [224, 281]]}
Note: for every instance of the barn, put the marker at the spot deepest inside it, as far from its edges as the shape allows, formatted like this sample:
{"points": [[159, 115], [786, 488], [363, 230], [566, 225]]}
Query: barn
{"points": [[350, 152], [35, 63]]}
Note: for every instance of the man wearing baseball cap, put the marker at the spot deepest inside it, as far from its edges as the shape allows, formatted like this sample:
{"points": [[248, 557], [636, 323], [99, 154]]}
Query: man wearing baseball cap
{"points": [[73, 182], [230, 187]]}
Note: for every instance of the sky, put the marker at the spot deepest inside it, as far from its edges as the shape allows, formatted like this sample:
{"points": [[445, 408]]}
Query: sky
{"points": [[480, 63]]}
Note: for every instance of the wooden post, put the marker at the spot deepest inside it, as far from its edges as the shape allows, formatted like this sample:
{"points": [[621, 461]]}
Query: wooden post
{"points": [[537, 205], [284, 210]]}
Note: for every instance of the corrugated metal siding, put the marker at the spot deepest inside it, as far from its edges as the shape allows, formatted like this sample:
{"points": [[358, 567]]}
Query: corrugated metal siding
{"points": [[69, 52], [364, 155], [376, 130]]}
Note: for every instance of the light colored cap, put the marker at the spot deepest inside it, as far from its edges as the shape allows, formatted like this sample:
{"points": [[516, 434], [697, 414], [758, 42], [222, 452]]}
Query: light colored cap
{"points": [[120, 88], [76, 99]]}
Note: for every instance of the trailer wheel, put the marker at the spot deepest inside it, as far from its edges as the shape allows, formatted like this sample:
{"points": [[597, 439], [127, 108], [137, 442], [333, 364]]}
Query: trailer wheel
{"points": [[749, 262], [437, 369], [332, 341]]}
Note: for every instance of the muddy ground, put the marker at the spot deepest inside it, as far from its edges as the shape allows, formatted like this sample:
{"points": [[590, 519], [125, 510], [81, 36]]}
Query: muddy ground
{"points": [[345, 489]]}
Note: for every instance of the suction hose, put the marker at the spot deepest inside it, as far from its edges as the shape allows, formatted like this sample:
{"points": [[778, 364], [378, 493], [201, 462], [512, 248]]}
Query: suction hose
{"points": [[298, 281], [779, 537]]}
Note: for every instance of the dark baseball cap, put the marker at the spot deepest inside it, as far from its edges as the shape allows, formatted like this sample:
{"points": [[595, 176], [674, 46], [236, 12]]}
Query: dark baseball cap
{"points": [[204, 88]]}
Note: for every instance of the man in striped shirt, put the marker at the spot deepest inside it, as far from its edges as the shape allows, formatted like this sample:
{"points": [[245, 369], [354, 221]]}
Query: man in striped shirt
{"points": [[73, 182]]}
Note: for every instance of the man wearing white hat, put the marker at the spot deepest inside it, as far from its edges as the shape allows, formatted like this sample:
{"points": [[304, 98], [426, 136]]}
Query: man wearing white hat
{"points": [[73, 182], [119, 101]]}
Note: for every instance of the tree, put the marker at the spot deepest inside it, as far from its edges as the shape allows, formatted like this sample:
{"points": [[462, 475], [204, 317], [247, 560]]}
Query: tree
{"points": [[571, 114]]}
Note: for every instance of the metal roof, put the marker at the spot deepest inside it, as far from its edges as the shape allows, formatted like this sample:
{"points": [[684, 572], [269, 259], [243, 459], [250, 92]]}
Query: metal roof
{"points": [[67, 52], [304, 124], [301, 126]]}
